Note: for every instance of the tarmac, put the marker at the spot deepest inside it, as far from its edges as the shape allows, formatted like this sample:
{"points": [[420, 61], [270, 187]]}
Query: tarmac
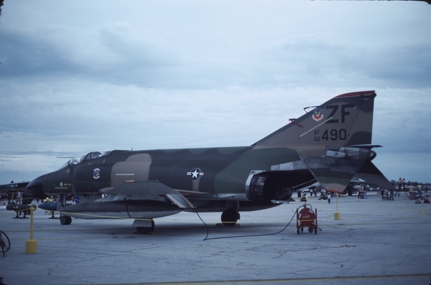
{"points": [[374, 242]]}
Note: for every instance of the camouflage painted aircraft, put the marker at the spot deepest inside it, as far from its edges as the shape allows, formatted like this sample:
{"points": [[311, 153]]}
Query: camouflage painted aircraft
{"points": [[12, 186], [330, 144]]}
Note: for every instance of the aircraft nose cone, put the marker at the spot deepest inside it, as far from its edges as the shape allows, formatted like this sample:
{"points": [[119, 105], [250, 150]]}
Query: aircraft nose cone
{"points": [[35, 188]]}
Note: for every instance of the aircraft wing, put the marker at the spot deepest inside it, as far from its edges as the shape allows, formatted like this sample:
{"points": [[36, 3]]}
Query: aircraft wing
{"points": [[370, 173], [334, 174], [194, 193], [148, 190]]}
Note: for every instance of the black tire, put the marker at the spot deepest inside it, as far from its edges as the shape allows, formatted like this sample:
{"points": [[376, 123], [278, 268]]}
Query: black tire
{"points": [[146, 230], [229, 218], [4, 242], [65, 220]]}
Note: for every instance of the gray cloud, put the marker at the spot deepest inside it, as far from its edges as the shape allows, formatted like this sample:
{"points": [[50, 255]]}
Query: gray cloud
{"points": [[148, 75], [23, 55]]}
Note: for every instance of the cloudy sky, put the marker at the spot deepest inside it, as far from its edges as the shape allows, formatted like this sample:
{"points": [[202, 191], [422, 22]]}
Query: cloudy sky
{"points": [[80, 76]]}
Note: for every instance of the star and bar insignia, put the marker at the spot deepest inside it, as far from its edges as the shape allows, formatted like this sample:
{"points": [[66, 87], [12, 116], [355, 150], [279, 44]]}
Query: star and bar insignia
{"points": [[195, 173]]}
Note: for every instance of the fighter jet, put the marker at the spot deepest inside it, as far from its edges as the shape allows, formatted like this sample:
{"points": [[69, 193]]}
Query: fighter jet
{"points": [[329, 144], [12, 186]]}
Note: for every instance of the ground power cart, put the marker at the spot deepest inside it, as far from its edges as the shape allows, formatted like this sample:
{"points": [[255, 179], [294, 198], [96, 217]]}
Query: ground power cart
{"points": [[306, 217]]}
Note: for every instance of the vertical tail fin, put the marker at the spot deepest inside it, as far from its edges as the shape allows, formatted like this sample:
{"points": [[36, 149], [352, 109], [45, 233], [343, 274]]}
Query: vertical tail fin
{"points": [[344, 120], [333, 140]]}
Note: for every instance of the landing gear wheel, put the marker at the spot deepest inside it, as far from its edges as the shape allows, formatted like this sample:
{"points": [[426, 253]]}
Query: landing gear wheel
{"points": [[4, 242], [146, 230], [229, 217], [65, 220]]}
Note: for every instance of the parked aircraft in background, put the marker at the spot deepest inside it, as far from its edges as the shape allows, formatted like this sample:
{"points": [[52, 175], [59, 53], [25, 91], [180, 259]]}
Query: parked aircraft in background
{"points": [[12, 186], [329, 145]]}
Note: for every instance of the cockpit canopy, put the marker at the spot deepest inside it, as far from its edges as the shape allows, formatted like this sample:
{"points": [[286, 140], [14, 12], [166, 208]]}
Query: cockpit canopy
{"points": [[87, 157]]}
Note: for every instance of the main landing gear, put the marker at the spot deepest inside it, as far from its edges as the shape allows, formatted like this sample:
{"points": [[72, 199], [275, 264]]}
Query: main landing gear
{"points": [[144, 226], [65, 220], [230, 216]]}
